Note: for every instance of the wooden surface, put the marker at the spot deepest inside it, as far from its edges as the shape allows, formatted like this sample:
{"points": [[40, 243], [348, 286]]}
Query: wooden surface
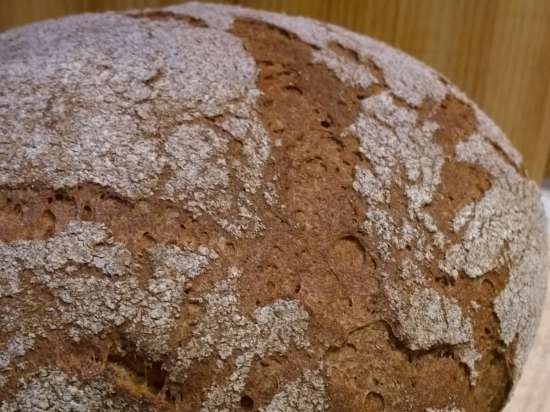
{"points": [[498, 51]]}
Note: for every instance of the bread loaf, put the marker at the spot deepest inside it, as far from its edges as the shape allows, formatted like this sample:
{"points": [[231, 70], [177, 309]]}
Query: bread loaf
{"points": [[209, 208]]}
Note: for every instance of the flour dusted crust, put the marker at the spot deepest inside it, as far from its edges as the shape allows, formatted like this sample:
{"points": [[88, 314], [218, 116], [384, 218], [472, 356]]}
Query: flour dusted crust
{"points": [[210, 208]]}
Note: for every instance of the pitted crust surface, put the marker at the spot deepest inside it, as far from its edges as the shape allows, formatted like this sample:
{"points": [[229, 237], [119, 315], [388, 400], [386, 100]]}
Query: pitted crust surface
{"points": [[210, 208]]}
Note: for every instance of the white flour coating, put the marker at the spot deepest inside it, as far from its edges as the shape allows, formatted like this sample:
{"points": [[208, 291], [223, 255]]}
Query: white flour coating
{"points": [[20, 337], [447, 409], [256, 150], [505, 227], [509, 214], [489, 129], [214, 15], [392, 142], [428, 319], [469, 357], [112, 100], [370, 187], [392, 232], [16, 347], [53, 390], [72, 246], [347, 70], [196, 155], [306, 394], [271, 194], [87, 303], [225, 332], [390, 138], [407, 77]]}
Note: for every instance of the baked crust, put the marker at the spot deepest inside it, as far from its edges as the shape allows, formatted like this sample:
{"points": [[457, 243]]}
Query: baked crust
{"points": [[210, 208]]}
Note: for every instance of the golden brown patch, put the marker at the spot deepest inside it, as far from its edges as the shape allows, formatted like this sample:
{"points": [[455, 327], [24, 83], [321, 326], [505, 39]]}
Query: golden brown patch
{"points": [[457, 121], [461, 184]]}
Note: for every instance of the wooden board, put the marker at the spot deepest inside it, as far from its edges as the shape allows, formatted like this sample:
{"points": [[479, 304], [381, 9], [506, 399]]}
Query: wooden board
{"points": [[498, 51]]}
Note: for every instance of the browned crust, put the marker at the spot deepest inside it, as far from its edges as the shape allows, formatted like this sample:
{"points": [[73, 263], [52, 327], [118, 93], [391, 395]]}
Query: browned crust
{"points": [[312, 252]]}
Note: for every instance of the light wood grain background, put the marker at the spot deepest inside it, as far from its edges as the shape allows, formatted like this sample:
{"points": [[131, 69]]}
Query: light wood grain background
{"points": [[498, 51]]}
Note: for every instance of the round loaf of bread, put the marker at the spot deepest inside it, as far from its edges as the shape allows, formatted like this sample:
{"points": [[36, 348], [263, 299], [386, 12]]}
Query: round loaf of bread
{"points": [[208, 208]]}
